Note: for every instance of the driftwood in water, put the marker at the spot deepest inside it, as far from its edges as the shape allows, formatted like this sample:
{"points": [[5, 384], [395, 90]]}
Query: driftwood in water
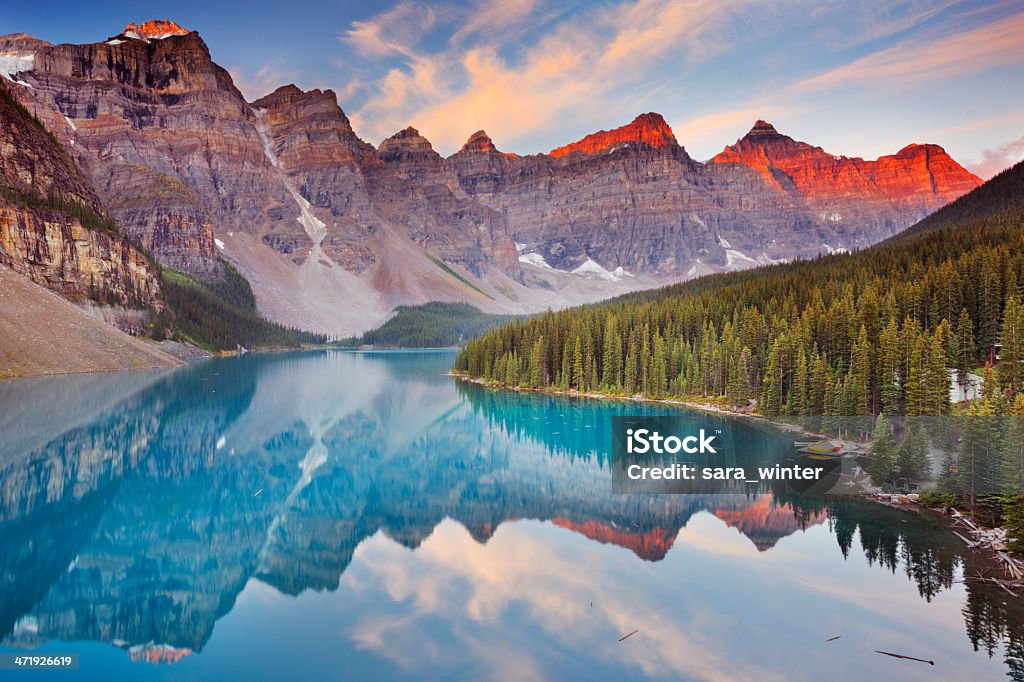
{"points": [[993, 539], [909, 658]]}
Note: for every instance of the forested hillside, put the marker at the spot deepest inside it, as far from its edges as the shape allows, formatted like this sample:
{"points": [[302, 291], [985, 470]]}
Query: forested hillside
{"points": [[219, 314], [431, 325], [856, 334]]}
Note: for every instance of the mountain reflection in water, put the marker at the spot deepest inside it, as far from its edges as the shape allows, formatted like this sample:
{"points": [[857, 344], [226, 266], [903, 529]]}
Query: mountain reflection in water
{"points": [[283, 515]]}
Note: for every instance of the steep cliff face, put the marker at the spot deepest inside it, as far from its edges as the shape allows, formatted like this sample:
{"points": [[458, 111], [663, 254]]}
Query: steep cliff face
{"points": [[423, 196], [628, 198], [157, 128], [328, 234], [632, 198], [864, 201], [309, 138], [386, 221], [52, 226]]}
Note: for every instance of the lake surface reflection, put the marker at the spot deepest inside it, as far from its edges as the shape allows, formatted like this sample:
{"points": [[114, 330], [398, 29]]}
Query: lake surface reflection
{"points": [[328, 515]]}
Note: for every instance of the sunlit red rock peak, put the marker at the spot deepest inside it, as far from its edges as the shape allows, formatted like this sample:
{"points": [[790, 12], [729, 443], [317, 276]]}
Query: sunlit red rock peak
{"points": [[648, 128], [154, 29], [479, 142], [918, 173], [762, 129]]}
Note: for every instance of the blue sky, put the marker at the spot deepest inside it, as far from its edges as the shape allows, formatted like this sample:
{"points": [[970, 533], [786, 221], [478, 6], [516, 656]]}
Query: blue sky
{"points": [[860, 79]]}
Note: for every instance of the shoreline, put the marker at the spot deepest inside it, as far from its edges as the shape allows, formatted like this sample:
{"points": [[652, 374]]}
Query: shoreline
{"points": [[986, 538], [703, 407]]}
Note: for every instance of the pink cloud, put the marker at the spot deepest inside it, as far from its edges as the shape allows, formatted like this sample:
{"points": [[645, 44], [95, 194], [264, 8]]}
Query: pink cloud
{"points": [[995, 160]]}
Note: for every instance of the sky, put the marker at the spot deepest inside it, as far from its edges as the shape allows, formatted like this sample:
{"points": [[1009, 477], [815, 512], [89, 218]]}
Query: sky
{"points": [[856, 78]]}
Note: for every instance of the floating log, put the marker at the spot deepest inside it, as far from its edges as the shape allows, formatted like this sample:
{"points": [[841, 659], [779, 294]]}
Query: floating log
{"points": [[909, 658]]}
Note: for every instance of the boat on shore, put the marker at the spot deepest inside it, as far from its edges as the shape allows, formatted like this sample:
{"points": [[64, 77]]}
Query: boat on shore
{"points": [[829, 449]]}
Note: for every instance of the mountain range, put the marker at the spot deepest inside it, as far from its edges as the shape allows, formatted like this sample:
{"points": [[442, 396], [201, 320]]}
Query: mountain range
{"points": [[332, 232]]}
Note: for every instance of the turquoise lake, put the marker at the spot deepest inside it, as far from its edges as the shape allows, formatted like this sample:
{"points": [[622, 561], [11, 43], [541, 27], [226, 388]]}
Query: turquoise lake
{"points": [[363, 516]]}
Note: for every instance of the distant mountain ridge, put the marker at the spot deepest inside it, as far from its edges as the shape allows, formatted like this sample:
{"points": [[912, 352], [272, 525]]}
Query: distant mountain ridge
{"points": [[333, 232]]}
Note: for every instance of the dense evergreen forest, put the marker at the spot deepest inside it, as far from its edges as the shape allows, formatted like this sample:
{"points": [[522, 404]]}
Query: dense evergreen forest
{"points": [[219, 314], [431, 325], [868, 333]]}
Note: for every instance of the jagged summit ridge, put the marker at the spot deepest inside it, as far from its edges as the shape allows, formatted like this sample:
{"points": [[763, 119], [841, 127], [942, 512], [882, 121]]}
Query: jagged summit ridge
{"points": [[762, 128], [404, 141], [649, 128], [479, 142], [155, 29]]}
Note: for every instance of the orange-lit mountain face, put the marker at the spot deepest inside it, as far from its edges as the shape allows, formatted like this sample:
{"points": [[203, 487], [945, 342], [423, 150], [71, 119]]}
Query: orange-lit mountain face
{"points": [[155, 29], [649, 128], [919, 177]]}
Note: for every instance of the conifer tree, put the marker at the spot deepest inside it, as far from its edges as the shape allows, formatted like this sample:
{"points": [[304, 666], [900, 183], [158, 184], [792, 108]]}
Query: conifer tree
{"points": [[967, 357], [889, 368], [913, 458], [578, 367], [1011, 354], [771, 396], [538, 369], [884, 466]]}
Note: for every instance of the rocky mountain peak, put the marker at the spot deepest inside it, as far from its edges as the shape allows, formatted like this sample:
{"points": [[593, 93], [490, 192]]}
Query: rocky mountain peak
{"points": [[763, 129], [650, 129], [933, 151], [479, 142], [156, 29], [404, 142], [284, 95]]}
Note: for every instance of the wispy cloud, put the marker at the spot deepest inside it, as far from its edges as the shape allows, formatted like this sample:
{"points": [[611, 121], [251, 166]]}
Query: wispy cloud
{"points": [[574, 67], [493, 17], [995, 160], [922, 59], [883, 19], [260, 83], [719, 128], [538, 73], [394, 32]]}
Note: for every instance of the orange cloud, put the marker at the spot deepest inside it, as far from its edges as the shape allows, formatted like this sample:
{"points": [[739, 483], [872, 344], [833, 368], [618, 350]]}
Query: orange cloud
{"points": [[574, 67]]}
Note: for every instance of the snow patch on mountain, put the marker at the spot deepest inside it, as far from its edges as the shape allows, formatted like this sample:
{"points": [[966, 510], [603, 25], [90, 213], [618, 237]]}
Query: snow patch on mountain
{"points": [[534, 259], [591, 268], [11, 64], [146, 38]]}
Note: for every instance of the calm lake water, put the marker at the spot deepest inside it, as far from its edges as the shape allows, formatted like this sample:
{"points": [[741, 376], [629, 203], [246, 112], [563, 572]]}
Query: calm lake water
{"points": [[328, 515]]}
